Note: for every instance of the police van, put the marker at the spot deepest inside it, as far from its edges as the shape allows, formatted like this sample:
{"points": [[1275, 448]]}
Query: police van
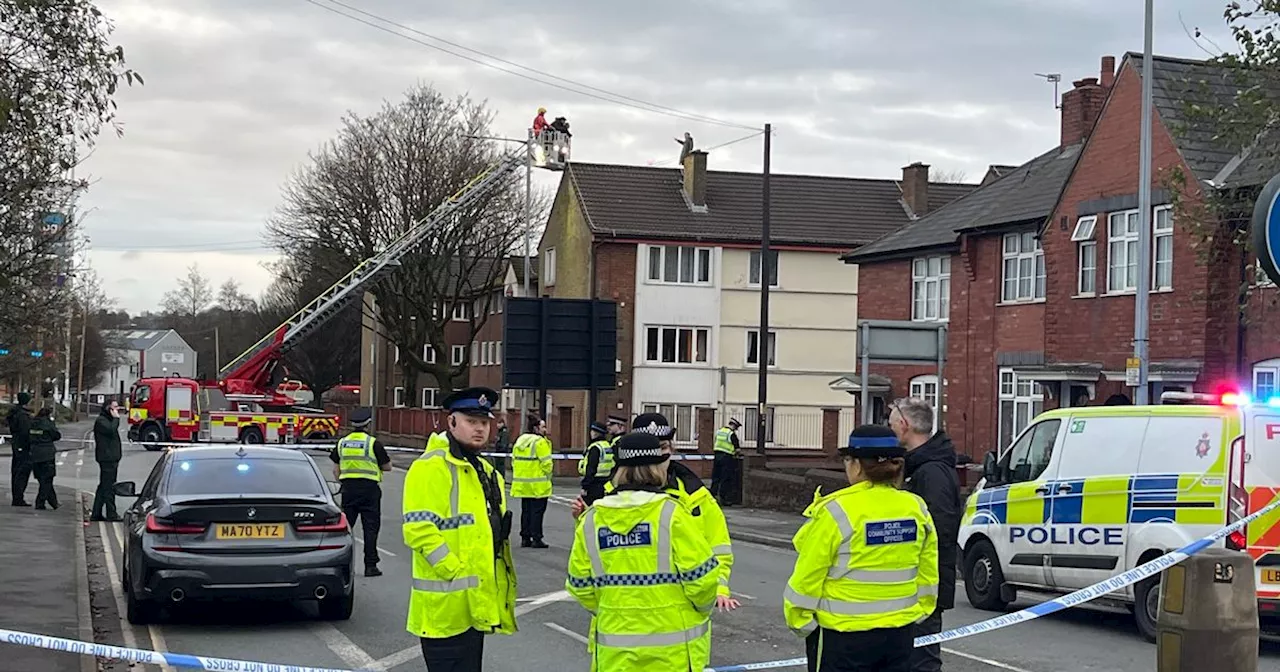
{"points": [[1086, 493]]}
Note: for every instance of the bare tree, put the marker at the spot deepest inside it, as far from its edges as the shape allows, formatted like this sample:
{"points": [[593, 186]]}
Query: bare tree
{"points": [[330, 356], [192, 297], [380, 176], [956, 176], [231, 298]]}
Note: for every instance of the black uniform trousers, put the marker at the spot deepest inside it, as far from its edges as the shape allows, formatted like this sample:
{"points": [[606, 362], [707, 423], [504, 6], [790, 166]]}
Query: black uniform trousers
{"points": [[20, 474], [594, 489], [726, 478], [460, 653], [883, 650], [44, 473], [104, 499], [928, 658], [362, 500], [532, 509]]}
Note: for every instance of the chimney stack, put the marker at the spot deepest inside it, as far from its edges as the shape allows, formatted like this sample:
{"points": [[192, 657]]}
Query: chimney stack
{"points": [[695, 180], [915, 188], [1083, 103]]}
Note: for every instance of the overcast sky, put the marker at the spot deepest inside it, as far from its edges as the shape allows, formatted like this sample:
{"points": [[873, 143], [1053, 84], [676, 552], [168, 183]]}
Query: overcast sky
{"points": [[238, 91]]}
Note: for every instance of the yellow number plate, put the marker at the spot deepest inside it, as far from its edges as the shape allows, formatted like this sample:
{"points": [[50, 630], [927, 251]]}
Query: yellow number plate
{"points": [[249, 531], [1271, 576]]}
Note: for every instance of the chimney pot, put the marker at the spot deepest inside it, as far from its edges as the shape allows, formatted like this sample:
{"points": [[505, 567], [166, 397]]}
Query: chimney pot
{"points": [[915, 188], [1108, 71], [695, 179]]}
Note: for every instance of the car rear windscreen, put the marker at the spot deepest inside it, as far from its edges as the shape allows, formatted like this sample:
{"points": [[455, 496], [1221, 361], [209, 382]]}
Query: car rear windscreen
{"points": [[234, 476]]}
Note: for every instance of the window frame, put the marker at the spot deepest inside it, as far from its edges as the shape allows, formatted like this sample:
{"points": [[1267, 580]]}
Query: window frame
{"points": [[918, 387], [397, 396], [435, 397], [1028, 268], [755, 268], [1024, 441], [428, 354], [675, 414], [462, 315], [921, 280], [1009, 390], [772, 342], [695, 339], [1128, 240], [1081, 271], [702, 262], [455, 358], [548, 278], [1270, 367], [751, 424], [1086, 227], [1157, 235]]}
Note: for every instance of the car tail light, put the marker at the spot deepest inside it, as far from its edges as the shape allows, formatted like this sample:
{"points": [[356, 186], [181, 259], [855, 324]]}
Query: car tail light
{"points": [[339, 526], [162, 526]]}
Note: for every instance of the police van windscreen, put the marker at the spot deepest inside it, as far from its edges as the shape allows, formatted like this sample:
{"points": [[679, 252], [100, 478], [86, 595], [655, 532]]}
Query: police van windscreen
{"points": [[235, 476]]}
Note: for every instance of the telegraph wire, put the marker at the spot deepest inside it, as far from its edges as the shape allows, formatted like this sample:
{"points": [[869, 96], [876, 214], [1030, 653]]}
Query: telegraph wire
{"points": [[744, 138], [577, 87]]}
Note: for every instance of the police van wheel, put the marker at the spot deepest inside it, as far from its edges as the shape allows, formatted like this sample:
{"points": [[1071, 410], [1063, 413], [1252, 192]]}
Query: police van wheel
{"points": [[1146, 607], [983, 577]]}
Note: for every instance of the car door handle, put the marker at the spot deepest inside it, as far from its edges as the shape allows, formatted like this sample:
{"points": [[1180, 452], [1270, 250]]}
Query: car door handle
{"points": [[1065, 488], [1042, 490]]}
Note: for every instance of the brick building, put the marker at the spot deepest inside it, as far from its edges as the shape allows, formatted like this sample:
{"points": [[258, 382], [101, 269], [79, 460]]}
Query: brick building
{"points": [[1035, 271]]}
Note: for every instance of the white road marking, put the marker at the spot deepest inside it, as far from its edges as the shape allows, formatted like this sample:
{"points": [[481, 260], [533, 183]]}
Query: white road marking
{"points": [[742, 595], [157, 639], [80, 462], [350, 653], [396, 659], [380, 549], [62, 457], [540, 601], [985, 661], [566, 632], [114, 577]]}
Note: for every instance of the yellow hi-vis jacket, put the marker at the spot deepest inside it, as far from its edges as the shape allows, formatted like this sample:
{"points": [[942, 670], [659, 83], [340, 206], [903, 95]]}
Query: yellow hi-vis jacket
{"points": [[640, 565], [694, 496], [356, 458], [531, 466], [605, 466], [457, 582], [868, 559]]}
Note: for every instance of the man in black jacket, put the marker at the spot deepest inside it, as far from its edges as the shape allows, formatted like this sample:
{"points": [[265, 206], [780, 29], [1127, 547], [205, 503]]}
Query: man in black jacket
{"points": [[931, 474], [107, 452], [20, 436]]}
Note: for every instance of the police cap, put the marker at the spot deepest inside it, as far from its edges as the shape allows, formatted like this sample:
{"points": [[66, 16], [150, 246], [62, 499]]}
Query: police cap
{"points": [[655, 424], [639, 448], [873, 441], [475, 401], [360, 417], [598, 427]]}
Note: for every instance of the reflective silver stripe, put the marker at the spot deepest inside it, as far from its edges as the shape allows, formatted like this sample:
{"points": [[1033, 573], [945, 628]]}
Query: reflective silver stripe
{"points": [[724, 581], [705, 608], [807, 628], [361, 470], [866, 608], [544, 479], [592, 538], [873, 575], [526, 458], [927, 590], [429, 586], [802, 601], [845, 554], [663, 639], [436, 556], [722, 549], [664, 536], [453, 489]]}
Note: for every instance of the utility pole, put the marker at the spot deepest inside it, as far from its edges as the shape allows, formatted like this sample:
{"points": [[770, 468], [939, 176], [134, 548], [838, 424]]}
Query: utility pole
{"points": [[762, 339], [75, 415], [528, 249], [217, 350], [1142, 301]]}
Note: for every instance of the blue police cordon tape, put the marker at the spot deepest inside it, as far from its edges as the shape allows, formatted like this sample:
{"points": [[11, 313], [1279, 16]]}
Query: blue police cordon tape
{"points": [[1078, 597], [390, 449]]}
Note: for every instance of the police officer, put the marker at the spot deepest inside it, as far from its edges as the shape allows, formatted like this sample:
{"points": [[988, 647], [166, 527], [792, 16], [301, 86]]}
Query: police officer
{"points": [[531, 468], [617, 426], [456, 522], [867, 565], [726, 471], [596, 465], [20, 434], [641, 565], [44, 449], [359, 462]]}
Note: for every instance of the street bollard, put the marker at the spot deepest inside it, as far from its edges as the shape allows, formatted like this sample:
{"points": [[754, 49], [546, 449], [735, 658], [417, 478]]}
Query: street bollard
{"points": [[1208, 616]]}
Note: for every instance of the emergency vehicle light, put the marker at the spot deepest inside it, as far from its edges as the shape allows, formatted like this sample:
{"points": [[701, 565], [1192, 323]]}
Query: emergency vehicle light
{"points": [[1235, 399], [1274, 402]]}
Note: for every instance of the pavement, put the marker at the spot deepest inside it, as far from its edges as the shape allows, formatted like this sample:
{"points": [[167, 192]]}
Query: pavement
{"points": [[552, 626]]}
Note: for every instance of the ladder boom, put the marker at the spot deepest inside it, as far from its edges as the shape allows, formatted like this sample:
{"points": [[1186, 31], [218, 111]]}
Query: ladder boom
{"points": [[332, 300]]}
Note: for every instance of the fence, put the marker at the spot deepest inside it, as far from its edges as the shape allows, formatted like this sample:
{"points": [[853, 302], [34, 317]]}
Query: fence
{"points": [[789, 428]]}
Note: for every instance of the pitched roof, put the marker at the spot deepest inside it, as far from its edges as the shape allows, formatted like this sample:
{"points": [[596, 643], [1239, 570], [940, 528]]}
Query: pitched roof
{"points": [[1025, 194], [517, 266], [837, 212], [134, 339], [1178, 83]]}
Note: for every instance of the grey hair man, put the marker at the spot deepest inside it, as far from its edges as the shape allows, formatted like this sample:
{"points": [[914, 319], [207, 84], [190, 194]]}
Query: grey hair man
{"points": [[931, 473]]}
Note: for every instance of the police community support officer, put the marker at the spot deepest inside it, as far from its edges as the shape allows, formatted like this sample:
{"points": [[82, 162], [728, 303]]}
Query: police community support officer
{"points": [[596, 465], [456, 522], [360, 461], [641, 565], [867, 569], [726, 471], [531, 469]]}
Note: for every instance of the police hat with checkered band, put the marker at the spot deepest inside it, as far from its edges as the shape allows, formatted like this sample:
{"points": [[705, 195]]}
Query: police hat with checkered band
{"points": [[653, 423], [639, 448]]}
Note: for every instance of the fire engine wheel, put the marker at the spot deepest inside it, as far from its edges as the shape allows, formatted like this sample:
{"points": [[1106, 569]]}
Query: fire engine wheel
{"points": [[251, 435], [150, 436]]}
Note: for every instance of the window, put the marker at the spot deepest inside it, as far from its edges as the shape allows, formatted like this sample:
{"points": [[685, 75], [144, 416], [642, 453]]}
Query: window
{"points": [[751, 424], [1021, 400], [1028, 458], [1162, 239], [373, 353], [430, 397], [683, 416], [461, 311], [680, 265], [754, 274], [475, 352], [753, 347], [1122, 251], [397, 396], [1265, 377], [397, 353], [549, 267], [931, 288], [497, 352], [428, 354], [677, 345], [1023, 268], [227, 475], [926, 387], [457, 354], [1086, 255]]}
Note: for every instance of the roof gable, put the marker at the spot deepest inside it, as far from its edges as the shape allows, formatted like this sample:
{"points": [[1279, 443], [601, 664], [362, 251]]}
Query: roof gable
{"points": [[841, 213]]}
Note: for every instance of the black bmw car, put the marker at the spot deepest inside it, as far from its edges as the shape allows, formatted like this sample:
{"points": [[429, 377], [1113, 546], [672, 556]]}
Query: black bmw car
{"points": [[235, 522]]}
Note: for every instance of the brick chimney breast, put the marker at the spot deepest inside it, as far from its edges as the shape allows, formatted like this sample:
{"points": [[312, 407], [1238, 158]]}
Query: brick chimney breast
{"points": [[695, 180], [1108, 71], [1080, 109], [915, 188]]}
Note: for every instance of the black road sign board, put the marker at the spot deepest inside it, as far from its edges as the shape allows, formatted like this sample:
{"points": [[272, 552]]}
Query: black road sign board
{"points": [[560, 344]]}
